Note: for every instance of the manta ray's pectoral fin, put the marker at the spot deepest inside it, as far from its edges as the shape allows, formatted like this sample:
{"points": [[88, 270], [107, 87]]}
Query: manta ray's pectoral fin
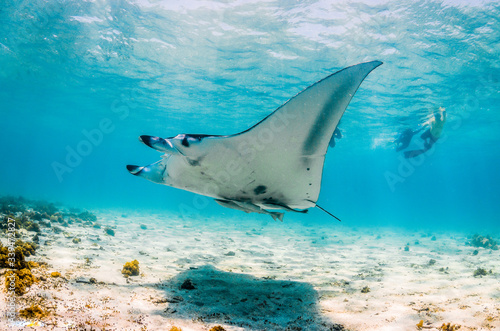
{"points": [[249, 207], [160, 144]]}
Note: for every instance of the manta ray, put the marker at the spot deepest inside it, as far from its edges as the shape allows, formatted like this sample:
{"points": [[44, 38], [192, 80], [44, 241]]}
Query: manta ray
{"points": [[277, 164]]}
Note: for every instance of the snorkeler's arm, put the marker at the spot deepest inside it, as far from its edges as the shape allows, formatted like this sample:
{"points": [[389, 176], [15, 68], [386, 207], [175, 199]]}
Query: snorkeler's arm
{"points": [[422, 126], [427, 123]]}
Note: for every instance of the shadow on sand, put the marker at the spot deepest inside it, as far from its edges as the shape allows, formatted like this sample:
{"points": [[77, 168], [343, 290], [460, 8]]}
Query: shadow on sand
{"points": [[209, 295]]}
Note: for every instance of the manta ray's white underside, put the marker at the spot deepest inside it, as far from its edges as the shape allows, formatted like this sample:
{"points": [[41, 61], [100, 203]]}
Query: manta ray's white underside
{"points": [[276, 164]]}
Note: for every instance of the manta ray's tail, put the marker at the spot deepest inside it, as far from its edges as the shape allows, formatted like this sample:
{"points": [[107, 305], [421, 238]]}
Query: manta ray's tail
{"points": [[328, 212]]}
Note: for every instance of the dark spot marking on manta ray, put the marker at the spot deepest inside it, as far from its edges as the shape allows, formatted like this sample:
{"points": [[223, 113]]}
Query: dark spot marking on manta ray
{"points": [[308, 169], [193, 163], [260, 189], [185, 142]]}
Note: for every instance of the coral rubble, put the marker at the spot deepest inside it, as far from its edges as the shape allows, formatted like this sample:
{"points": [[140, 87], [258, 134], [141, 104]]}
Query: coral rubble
{"points": [[483, 241], [131, 268]]}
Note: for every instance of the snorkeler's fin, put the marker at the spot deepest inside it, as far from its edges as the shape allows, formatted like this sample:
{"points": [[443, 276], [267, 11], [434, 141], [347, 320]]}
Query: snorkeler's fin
{"points": [[415, 153], [331, 144]]}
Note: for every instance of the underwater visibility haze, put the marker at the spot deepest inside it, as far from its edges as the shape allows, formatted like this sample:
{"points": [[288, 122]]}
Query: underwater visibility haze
{"points": [[128, 68], [81, 81]]}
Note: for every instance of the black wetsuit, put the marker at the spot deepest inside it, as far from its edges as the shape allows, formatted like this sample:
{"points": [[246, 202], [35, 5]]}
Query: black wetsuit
{"points": [[428, 139], [405, 139], [336, 134]]}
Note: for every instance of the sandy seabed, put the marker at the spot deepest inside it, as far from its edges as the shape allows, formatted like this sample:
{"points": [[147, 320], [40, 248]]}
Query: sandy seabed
{"points": [[253, 275]]}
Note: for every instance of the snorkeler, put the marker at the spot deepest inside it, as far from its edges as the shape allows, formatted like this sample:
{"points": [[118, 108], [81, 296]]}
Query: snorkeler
{"points": [[336, 134], [404, 138], [432, 134]]}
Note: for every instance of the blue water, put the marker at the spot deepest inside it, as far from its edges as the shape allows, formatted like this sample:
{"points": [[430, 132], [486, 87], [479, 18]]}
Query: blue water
{"points": [[90, 77]]}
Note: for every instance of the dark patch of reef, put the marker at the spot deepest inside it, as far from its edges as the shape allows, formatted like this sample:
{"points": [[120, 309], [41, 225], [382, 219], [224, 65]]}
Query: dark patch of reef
{"points": [[365, 289], [483, 241], [32, 215], [479, 272], [22, 219], [33, 311]]}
